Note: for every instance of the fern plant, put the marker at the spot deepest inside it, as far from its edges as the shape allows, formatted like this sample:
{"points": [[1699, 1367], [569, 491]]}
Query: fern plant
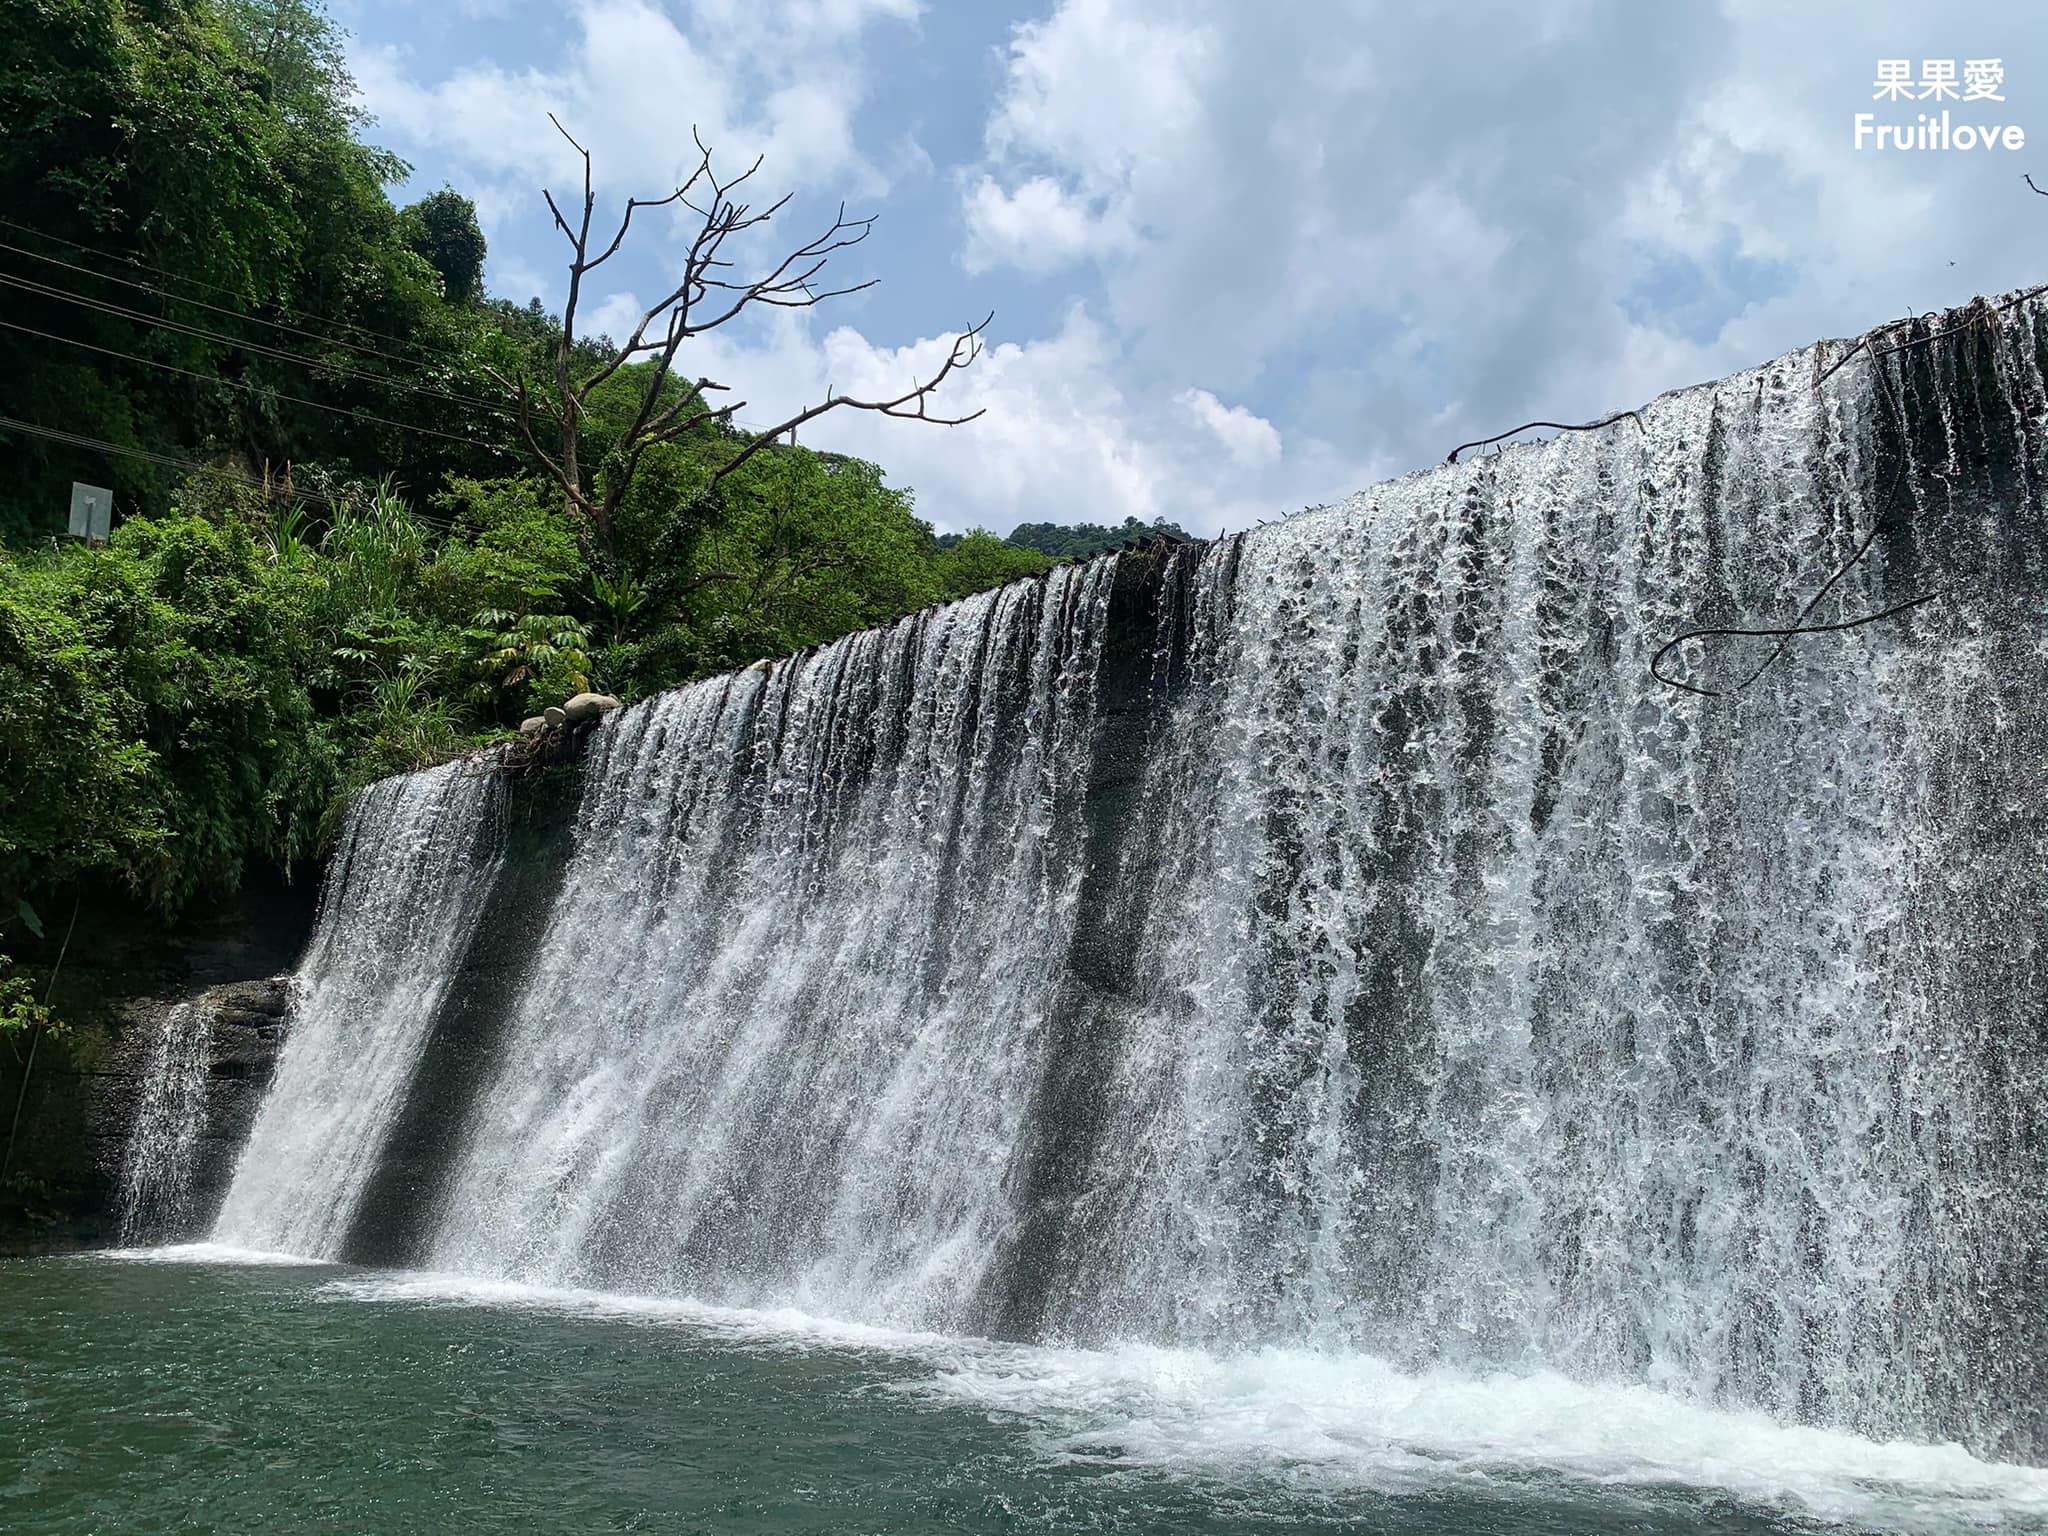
{"points": [[516, 649], [620, 598]]}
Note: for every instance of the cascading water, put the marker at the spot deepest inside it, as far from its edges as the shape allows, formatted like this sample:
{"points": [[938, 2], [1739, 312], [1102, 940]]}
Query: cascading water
{"points": [[796, 983], [156, 1195], [1332, 937], [1498, 1006], [407, 884]]}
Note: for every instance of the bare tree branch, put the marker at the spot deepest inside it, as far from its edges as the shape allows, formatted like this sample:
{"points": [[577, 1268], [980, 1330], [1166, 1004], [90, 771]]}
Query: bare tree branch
{"points": [[686, 311], [912, 405]]}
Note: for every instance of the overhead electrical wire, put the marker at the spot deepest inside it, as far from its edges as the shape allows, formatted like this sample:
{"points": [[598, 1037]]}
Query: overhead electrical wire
{"points": [[475, 402], [178, 298], [199, 282], [259, 348], [262, 349], [233, 314], [210, 378]]}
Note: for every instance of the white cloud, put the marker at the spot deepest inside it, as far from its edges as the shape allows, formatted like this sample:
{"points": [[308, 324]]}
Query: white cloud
{"points": [[1373, 231], [1250, 439], [1395, 229], [1062, 439], [1100, 94], [614, 316], [1038, 226], [517, 280], [777, 78], [1104, 88]]}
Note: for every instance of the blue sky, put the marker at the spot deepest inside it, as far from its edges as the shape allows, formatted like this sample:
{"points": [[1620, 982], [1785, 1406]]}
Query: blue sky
{"points": [[1243, 258]]}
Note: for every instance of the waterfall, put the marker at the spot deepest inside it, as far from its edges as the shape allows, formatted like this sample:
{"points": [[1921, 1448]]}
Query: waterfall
{"points": [[1332, 936], [799, 973], [406, 885], [156, 1195], [1498, 1006]]}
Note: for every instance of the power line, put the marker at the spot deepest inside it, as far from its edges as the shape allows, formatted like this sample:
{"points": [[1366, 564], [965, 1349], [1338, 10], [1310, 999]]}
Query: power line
{"points": [[262, 349], [190, 466], [221, 309], [209, 378], [102, 445], [178, 298], [196, 282]]}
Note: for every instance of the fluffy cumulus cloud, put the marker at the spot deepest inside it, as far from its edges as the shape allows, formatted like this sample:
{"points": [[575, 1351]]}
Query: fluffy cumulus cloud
{"points": [[1061, 438], [1246, 257], [1103, 95], [1248, 439], [778, 78], [1038, 226], [1396, 227]]}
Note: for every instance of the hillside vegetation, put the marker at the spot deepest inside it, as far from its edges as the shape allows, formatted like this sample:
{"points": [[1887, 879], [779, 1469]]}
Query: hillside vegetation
{"points": [[333, 555]]}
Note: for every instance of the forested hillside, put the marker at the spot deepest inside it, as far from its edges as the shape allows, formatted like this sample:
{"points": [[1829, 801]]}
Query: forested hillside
{"points": [[334, 554], [1077, 541]]}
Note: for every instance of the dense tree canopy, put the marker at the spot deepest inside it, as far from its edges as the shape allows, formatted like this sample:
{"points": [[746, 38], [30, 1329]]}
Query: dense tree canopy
{"points": [[333, 557], [1077, 541], [442, 231]]}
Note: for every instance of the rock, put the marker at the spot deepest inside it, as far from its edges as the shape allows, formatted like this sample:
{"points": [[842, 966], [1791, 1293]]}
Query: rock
{"points": [[254, 1004], [267, 998], [532, 724], [764, 666], [553, 716], [588, 706]]}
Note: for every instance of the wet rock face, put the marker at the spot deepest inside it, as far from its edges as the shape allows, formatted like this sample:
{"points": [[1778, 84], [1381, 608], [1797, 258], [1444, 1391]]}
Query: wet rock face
{"points": [[245, 1023], [248, 1026], [125, 971]]}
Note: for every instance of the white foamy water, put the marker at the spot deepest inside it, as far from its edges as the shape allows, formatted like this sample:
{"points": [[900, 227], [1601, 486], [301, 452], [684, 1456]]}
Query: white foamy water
{"points": [[827, 901], [1337, 938], [156, 1172], [1331, 1423], [209, 1253], [402, 893], [1338, 1421], [1329, 945]]}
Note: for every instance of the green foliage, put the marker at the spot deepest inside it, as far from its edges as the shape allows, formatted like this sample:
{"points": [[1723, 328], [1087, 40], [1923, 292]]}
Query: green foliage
{"points": [[1077, 541], [202, 694], [303, 60], [512, 547], [153, 720], [979, 560], [21, 1011], [215, 139], [376, 549], [443, 232], [518, 656]]}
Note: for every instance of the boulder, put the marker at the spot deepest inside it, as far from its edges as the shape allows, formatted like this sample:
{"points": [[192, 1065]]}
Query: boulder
{"points": [[764, 666], [254, 1003], [588, 706], [553, 716], [532, 724]]}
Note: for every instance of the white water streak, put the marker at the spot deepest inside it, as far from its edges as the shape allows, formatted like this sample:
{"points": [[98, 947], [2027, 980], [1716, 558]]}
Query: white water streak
{"points": [[812, 909], [1450, 993], [156, 1172], [411, 878]]}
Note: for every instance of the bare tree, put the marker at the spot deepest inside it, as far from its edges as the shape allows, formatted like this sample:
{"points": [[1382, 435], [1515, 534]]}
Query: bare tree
{"points": [[707, 294]]}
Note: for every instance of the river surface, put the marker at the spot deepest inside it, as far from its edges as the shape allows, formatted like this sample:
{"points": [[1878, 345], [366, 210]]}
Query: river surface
{"points": [[214, 1394]]}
